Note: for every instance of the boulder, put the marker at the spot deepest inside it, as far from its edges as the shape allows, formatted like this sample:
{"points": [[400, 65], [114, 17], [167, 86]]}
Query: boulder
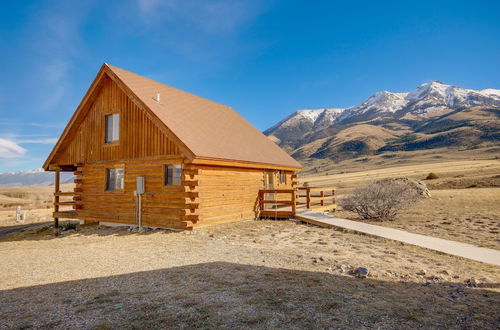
{"points": [[419, 185], [361, 272]]}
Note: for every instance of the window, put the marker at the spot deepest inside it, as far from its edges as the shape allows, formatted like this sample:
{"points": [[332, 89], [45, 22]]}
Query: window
{"points": [[112, 128], [114, 179], [282, 177], [172, 174]]}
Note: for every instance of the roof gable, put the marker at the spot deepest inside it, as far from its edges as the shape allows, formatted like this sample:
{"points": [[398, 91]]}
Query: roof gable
{"points": [[202, 128]]}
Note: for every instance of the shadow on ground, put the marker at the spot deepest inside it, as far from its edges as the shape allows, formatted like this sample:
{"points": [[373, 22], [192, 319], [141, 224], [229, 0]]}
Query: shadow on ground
{"points": [[232, 296], [45, 231]]}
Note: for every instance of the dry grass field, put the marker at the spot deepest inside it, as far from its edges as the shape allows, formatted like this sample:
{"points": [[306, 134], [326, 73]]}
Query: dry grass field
{"points": [[427, 157], [35, 201], [264, 274], [452, 174], [465, 203], [465, 215]]}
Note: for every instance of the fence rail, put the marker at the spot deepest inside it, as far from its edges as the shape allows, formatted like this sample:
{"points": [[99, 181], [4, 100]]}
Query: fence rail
{"points": [[283, 203], [322, 197]]}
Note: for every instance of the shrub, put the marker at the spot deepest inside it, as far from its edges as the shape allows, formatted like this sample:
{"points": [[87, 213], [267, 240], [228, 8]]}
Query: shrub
{"points": [[432, 176], [380, 200]]}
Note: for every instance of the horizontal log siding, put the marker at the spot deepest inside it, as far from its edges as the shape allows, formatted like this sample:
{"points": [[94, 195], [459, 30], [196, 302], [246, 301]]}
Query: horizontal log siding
{"points": [[139, 136], [162, 206], [226, 194]]}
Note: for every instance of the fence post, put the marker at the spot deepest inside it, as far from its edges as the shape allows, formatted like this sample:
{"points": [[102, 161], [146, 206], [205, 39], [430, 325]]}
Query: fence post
{"points": [[261, 201], [322, 195], [294, 201], [56, 197], [308, 198]]}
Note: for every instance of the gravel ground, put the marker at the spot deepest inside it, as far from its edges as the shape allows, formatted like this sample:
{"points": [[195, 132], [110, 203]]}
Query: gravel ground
{"points": [[257, 274]]}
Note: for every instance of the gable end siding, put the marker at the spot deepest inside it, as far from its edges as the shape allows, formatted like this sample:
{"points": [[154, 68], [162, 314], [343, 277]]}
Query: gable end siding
{"points": [[139, 136]]}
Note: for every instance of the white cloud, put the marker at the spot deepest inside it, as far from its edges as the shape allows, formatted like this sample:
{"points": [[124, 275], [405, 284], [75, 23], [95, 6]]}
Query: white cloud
{"points": [[10, 149]]}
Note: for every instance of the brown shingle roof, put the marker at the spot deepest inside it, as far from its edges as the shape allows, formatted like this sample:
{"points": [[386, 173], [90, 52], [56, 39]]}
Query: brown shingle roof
{"points": [[207, 128]]}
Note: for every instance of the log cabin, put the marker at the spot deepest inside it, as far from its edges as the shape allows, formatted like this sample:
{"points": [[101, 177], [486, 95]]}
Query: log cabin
{"points": [[144, 153]]}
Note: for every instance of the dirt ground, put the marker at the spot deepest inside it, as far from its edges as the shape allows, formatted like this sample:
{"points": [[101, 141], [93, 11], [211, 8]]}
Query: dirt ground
{"points": [[254, 274]]}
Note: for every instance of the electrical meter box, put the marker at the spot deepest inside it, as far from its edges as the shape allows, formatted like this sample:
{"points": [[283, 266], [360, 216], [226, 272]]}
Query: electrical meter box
{"points": [[139, 185]]}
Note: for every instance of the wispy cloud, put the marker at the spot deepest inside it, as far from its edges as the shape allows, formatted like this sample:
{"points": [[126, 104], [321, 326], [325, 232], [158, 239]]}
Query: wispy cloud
{"points": [[10, 149], [20, 123], [57, 42], [197, 30], [210, 16], [38, 141], [55, 73]]}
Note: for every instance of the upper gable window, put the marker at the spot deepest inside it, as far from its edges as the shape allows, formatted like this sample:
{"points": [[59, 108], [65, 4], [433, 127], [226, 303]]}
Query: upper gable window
{"points": [[112, 123]]}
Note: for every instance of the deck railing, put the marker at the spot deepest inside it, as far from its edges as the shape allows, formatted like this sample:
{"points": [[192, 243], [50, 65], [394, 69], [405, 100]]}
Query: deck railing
{"points": [[277, 200], [284, 203], [316, 196]]}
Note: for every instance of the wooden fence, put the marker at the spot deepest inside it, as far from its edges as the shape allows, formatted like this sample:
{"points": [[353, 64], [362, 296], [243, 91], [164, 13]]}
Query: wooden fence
{"points": [[285, 203]]}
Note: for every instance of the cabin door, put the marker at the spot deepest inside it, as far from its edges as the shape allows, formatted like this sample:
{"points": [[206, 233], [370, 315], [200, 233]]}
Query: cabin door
{"points": [[269, 184]]}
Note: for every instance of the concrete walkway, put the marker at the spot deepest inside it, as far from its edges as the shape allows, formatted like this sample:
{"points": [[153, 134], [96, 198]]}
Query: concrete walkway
{"points": [[490, 256]]}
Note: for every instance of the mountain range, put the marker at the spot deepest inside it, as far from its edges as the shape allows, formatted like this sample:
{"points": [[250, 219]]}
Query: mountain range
{"points": [[434, 115]]}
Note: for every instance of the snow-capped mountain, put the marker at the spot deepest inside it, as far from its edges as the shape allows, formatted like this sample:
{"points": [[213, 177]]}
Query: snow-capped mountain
{"points": [[36, 177], [393, 112]]}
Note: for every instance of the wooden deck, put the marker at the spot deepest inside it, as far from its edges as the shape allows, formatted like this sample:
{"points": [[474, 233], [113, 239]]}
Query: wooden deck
{"points": [[286, 203]]}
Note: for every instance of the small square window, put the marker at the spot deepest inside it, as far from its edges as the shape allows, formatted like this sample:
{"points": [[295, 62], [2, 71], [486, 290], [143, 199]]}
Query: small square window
{"points": [[172, 175], [112, 123], [114, 179]]}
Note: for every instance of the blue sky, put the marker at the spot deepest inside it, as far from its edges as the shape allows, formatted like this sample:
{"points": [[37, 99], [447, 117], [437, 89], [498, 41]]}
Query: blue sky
{"points": [[266, 59]]}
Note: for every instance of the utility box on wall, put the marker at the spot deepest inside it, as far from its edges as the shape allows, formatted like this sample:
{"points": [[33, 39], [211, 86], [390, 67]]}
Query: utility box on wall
{"points": [[139, 185]]}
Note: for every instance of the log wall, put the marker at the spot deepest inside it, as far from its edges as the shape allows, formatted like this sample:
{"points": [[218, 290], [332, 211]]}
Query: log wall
{"points": [[228, 194], [163, 206], [207, 195]]}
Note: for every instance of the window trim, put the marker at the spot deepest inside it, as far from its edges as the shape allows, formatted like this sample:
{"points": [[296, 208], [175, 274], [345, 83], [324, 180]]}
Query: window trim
{"points": [[106, 178], [282, 175], [165, 175], [111, 142]]}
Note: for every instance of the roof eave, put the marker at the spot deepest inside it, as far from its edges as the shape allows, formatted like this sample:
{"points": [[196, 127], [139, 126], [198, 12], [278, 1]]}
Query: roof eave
{"points": [[244, 164]]}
